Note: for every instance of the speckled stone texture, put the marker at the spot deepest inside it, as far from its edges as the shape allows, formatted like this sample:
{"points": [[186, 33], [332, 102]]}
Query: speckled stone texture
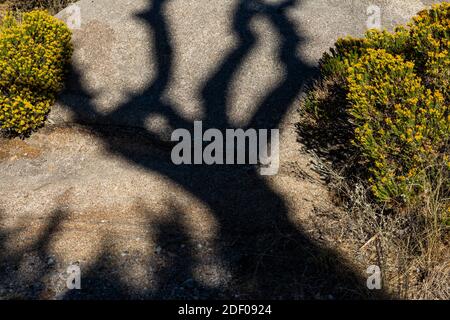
{"points": [[106, 196], [148, 63]]}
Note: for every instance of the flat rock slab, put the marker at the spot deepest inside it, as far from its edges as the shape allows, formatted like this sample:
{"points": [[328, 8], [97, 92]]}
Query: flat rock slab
{"points": [[105, 197], [160, 65], [140, 229]]}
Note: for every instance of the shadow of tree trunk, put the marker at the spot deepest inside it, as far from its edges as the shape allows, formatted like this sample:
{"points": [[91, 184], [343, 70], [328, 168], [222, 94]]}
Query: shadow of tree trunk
{"points": [[268, 257]]}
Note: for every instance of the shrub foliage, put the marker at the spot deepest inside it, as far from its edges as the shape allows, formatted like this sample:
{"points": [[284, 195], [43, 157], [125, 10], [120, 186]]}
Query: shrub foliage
{"points": [[34, 51], [396, 100], [27, 5]]}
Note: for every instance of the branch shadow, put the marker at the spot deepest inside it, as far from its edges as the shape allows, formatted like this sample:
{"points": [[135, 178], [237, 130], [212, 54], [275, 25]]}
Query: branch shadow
{"points": [[23, 271], [268, 256]]}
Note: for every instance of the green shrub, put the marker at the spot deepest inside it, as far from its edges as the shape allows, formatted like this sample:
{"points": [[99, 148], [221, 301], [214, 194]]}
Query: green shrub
{"points": [[400, 126], [394, 95], [27, 5], [34, 53]]}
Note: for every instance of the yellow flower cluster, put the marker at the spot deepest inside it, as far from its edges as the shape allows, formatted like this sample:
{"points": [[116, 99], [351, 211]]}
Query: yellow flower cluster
{"points": [[400, 126], [34, 53]]}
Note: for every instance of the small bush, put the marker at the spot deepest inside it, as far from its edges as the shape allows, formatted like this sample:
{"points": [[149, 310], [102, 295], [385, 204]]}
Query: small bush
{"points": [[400, 126], [378, 122], [27, 5], [394, 95], [34, 53]]}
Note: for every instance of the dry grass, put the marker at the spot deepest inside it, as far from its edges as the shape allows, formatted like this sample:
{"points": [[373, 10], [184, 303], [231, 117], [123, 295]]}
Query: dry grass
{"points": [[411, 245]]}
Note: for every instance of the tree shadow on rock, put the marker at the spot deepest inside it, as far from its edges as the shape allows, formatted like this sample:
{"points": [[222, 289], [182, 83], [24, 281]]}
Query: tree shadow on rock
{"points": [[23, 272], [268, 256], [180, 255]]}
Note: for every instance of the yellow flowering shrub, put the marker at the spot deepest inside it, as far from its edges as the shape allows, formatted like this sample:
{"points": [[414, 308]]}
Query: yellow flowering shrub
{"points": [[394, 93], [400, 126], [34, 53]]}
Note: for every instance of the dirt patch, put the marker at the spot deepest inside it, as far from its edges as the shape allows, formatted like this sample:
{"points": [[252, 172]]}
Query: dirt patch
{"points": [[14, 149]]}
